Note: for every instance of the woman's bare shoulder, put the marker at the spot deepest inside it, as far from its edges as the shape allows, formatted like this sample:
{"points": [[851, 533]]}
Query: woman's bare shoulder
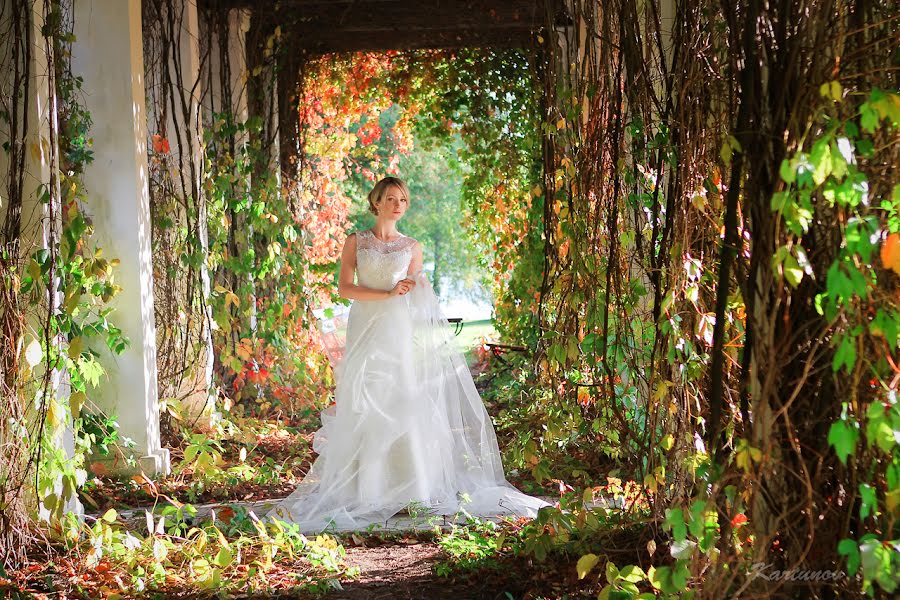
{"points": [[350, 241], [415, 244]]}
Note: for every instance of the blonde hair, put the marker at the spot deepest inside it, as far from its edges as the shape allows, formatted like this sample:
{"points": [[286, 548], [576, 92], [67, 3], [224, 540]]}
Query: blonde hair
{"points": [[378, 192]]}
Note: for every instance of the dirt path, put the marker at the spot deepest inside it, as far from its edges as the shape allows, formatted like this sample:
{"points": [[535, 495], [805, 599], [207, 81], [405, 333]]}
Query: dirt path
{"points": [[405, 571]]}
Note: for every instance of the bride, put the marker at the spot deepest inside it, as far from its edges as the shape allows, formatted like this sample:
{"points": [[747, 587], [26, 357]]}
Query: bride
{"points": [[408, 426]]}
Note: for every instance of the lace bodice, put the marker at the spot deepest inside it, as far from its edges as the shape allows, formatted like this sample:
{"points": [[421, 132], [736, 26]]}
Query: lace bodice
{"points": [[379, 264]]}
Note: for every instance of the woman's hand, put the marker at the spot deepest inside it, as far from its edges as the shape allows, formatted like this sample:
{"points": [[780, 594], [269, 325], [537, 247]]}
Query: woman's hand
{"points": [[403, 287]]}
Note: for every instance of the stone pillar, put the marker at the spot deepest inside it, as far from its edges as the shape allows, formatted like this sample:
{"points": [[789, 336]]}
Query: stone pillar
{"points": [[108, 53]]}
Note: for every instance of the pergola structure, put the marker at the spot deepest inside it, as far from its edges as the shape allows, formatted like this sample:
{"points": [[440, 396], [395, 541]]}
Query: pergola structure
{"points": [[328, 26], [109, 54]]}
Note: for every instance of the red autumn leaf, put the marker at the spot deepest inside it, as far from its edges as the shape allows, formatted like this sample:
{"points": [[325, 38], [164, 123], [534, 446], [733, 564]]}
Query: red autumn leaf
{"points": [[225, 514], [739, 520], [160, 144]]}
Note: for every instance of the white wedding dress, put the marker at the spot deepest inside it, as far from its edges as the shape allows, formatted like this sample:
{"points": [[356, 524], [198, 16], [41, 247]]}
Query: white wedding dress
{"points": [[408, 425]]}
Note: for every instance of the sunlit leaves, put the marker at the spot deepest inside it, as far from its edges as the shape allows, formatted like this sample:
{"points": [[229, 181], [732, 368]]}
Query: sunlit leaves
{"points": [[831, 90], [880, 106], [820, 158], [880, 562], [883, 426], [791, 263], [585, 564], [892, 207], [745, 455]]}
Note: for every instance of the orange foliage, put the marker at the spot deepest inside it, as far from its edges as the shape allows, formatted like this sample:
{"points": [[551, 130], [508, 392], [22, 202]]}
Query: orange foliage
{"points": [[890, 253]]}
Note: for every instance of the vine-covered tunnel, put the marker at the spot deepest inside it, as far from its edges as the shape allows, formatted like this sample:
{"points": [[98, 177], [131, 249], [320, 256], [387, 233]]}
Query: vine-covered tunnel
{"points": [[689, 209]]}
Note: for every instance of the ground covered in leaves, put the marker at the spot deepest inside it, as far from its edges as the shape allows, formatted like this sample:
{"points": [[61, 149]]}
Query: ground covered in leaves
{"points": [[396, 566], [165, 548]]}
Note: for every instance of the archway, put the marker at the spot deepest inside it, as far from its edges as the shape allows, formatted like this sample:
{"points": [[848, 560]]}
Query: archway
{"points": [[708, 227]]}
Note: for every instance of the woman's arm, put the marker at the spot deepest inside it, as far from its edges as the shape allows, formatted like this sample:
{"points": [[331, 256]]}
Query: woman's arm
{"points": [[415, 265], [346, 287]]}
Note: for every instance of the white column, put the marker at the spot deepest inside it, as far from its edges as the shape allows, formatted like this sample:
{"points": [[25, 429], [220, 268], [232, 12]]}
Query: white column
{"points": [[194, 390], [238, 26], [108, 53]]}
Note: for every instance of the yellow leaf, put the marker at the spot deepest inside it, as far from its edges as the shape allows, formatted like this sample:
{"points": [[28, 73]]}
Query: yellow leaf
{"points": [[34, 269], [76, 346], [561, 124], [584, 396], [892, 502], [585, 564], [831, 90], [667, 442], [54, 413], [244, 350], [746, 455], [837, 91], [76, 401]]}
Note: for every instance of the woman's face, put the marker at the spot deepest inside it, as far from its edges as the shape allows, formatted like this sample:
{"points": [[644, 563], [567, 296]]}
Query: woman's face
{"points": [[393, 204]]}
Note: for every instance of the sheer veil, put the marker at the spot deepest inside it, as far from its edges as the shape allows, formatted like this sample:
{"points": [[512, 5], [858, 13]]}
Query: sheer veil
{"points": [[408, 424]]}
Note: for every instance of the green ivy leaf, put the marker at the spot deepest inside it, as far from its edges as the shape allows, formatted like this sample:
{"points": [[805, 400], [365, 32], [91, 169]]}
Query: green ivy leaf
{"points": [[787, 171], [675, 521], [868, 118], [850, 549], [661, 579], [632, 574], [845, 355], [843, 437], [792, 271], [868, 500], [820, 157], [612, 572], [877, 563]]}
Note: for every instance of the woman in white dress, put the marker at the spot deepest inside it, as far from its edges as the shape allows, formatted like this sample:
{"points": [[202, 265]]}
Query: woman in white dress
{"points": [[408, 425]]}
